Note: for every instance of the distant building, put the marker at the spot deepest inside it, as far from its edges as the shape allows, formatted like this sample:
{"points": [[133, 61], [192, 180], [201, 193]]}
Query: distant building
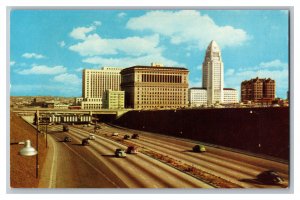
{"points": [[91, 103], [258, 91], [213, 74], [95, 82], [114, 99], [155, 86], [212, 91], [230, 96], [197, 97]]}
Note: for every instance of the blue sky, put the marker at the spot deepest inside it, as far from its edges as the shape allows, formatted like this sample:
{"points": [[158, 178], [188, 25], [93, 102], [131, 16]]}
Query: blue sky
{"points": [[49, 48]]}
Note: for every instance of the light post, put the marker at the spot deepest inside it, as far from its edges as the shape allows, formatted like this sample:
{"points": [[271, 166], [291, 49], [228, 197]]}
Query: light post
{"points": [[258, 125], [27, 150]]}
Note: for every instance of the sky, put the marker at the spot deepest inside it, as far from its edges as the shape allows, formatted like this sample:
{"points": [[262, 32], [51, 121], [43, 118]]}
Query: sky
{"points": [[49, 48]]}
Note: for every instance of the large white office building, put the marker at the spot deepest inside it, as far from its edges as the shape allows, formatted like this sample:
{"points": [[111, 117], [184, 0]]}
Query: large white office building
{"points": [[212, 90], [95, 82]]}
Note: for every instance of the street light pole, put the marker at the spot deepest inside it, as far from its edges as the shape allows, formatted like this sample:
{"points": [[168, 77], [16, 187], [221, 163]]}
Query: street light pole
{"points": [[37, 145]]}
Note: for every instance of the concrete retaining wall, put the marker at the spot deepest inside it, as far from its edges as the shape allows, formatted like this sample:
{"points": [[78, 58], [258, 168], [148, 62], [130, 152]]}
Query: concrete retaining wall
{"points": [[258, 130]]}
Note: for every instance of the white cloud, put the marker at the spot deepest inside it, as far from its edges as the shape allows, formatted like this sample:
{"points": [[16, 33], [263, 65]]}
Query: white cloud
{"points": [[12, 63], [188, 26], [122, 14], [197, 82], [80, 32], [284, 12], [45, 89], [131, 61], [273, 70], [95, 45], [67, 79], [62, 43], [43, 69], [229, 72], [33, 55], [273, 64], [97, 23], [79, 69]]}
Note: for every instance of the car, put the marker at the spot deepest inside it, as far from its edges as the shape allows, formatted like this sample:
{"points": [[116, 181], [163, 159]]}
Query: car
{"points": [[269, 177], [97, 127], [115, 134], [92, 137], [67, 139], [65, 128], [199, 148], [132, 150], [126, 137], [85, 142], [120, 153], [135, 136]]}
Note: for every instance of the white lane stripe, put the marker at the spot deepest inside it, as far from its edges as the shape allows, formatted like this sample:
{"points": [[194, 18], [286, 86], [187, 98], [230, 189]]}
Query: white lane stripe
{"points": [[52, 181], [90, 164]]}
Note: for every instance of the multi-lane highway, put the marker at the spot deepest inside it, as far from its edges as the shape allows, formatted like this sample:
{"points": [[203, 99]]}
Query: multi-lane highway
{"points": [[96, 166]]}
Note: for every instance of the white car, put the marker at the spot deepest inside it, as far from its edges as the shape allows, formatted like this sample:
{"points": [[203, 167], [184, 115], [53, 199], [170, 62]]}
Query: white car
{"points": [[115, 134], [92, 137]]}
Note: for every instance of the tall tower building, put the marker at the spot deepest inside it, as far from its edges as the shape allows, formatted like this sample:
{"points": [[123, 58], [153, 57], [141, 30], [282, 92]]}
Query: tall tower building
{"points": [[96, 81], [213, 74]]}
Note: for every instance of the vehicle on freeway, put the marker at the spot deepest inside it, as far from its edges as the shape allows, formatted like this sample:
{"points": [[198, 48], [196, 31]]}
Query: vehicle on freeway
{"points": [[65, 128], [92, 137], [126, 137], [199, 148], [115, 134], [132, 150], [85, 142], [120, 153], [97, 127], [67, 139], [135, 136], [269, 177]]}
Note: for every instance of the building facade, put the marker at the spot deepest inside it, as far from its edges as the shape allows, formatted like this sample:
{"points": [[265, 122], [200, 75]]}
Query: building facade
{"points": [[114, 99], [213, 74], [230, 96], [212, 91], [155, 86], [258, 91], [95, 82], [197, 97], [91, 103]]}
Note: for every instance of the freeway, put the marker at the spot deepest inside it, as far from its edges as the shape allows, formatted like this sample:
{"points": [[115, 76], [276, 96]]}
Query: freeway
{"points": [[96, 166], [235, 167]]}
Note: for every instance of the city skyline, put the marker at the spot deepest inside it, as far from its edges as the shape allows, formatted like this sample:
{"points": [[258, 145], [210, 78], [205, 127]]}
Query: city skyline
{"points": [[49, 49]]}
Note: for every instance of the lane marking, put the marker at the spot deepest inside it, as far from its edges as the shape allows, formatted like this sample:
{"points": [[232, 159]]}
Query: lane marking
{"points": [[91, 165]]}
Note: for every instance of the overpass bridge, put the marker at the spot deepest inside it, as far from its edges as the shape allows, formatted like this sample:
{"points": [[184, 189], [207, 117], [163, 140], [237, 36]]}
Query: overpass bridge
{"points": [[32, 111]]}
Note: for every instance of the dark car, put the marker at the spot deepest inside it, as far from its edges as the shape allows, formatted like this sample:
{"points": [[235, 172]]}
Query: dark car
{"points": [[126, 137], [85, 142], [199, 148], [67, 139], [120, 153], [135, 136], [269, 177], [65, 128], [132, 150]]}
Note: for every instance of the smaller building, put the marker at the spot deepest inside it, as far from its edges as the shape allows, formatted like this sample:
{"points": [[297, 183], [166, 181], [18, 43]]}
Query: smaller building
{"points": [[91, 103], [197, 97], [114, 99], [230, 96], [258, 90]]}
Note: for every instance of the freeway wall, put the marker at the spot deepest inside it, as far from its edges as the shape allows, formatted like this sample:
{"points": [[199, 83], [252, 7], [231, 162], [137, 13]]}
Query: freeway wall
{"points": [[257, 130]]}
